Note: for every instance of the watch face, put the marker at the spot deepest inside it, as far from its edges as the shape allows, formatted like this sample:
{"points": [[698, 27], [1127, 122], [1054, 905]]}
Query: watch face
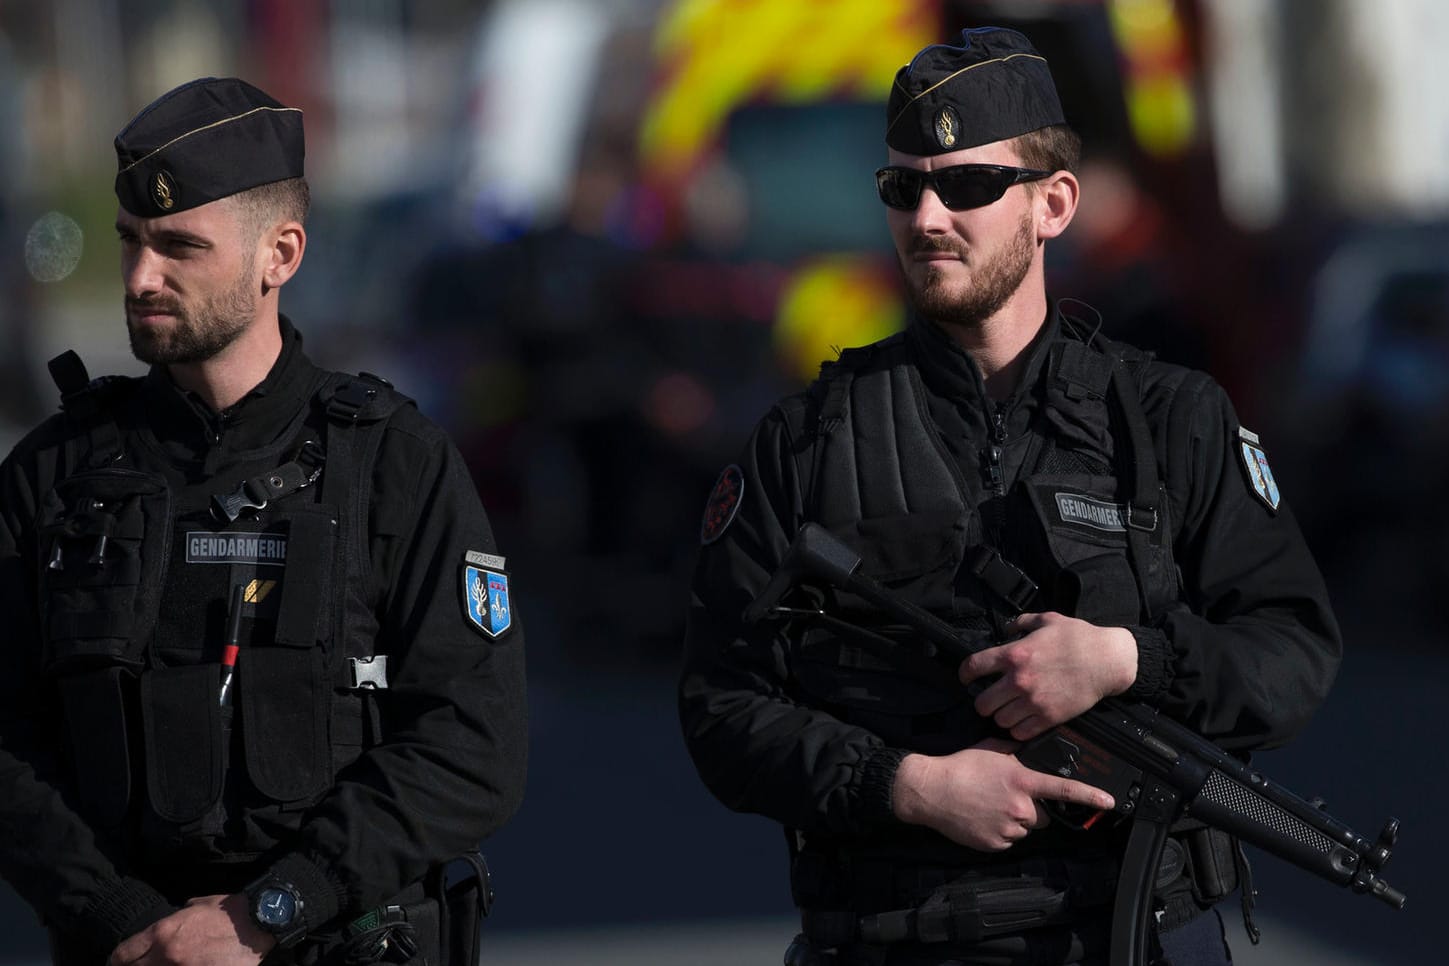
{"points": [[276, 907]]}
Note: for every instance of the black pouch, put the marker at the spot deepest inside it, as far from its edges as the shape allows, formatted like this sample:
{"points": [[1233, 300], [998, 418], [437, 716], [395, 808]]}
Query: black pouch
{"points": [[971, 910], [464, 888], [185, 742], [1072, 536], [1212, 862], [102, 536], [285, 708], [285, 687], [97, 531], [98, 706]]}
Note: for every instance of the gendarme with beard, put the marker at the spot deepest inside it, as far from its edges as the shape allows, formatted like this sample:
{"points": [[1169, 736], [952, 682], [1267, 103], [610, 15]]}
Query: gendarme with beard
{"points": [[265, 671], [1095, 521]]}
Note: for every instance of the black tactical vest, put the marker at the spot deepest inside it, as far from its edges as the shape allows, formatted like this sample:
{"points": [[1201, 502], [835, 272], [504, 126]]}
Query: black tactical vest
{"points": [[1086, 524], [137, 574]]}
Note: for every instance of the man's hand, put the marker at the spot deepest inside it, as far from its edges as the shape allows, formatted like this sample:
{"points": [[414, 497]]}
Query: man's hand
{"points": [[1057, 669], [982, 797], [209, 931]]}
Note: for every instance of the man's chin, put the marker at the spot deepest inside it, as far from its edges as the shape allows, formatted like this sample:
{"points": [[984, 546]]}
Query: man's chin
{"points": [[939, 302], [155, 349]]}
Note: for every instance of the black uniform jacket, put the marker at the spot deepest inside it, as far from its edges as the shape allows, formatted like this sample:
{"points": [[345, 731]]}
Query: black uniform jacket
{"points": [[449, 768], [1244, 656]]}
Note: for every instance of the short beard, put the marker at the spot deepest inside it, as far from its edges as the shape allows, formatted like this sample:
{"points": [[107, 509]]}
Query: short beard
{"points": [[197, 335], [992, 283]]}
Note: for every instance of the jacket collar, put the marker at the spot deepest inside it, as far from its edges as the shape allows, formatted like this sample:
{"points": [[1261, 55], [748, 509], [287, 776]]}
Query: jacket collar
{"points": [[949, 371], [188, 428]]}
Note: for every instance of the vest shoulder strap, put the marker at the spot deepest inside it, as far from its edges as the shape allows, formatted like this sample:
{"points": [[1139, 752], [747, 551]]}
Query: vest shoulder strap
{"points": [[363, 398], [90, 406], [829, 395], [357, 410]]}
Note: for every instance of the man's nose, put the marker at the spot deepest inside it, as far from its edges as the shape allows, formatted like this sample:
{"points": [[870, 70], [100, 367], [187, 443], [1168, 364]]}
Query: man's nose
{"points": [[931, 217], [141, 272]]}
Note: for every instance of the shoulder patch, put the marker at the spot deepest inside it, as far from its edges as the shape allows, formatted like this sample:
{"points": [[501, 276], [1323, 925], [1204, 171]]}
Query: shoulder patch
{"points": [[486, 602], [1255, 465], [724, 503]]}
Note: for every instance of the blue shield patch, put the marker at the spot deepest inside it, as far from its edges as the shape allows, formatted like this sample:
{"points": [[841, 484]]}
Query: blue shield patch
{"points": [[485, 595], [1260, 474]]}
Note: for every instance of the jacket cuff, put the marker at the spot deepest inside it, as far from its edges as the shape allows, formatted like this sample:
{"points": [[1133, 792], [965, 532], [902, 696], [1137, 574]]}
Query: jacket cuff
{"points": [[1154, 664], [874, 785], [323, 897], [121, 910]]}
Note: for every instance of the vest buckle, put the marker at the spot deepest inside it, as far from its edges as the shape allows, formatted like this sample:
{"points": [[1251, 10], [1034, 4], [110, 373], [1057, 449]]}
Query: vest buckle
{"points": [[368, 673], [1142, 517]]}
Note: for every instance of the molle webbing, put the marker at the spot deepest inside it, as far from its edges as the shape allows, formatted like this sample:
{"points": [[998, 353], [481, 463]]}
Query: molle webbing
{"points": [[869, 427]]}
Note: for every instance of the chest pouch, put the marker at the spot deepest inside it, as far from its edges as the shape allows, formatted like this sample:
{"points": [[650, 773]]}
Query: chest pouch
{"points": [[102, 535], [212, 767], [1070, 533], [876, 675]]}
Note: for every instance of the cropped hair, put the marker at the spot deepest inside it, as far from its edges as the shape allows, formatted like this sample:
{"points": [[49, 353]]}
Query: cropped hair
{"points": [[267, 204], [1054, 148]]}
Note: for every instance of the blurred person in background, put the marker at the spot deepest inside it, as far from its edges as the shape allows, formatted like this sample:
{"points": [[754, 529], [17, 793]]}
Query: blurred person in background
{"points": [[995, 447], [264, 679]]}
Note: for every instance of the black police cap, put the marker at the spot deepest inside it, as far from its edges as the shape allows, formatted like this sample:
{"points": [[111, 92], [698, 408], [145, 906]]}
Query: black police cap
{"points": [[203, 141], [994, 86]]}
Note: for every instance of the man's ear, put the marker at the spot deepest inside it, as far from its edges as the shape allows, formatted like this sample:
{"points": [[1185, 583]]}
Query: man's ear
{"points": [[1056, 204], [282, 255]]}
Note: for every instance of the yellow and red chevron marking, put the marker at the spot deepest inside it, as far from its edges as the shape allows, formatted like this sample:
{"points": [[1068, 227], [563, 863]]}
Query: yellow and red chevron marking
{"points": [[715, 55]]}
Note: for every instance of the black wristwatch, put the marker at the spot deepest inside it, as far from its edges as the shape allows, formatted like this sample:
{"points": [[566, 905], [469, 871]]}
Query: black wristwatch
{"points": [[276, 907]]}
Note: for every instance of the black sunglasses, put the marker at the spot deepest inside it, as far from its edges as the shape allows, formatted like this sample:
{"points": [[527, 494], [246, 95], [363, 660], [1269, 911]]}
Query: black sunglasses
{"points": [[959, 187]]}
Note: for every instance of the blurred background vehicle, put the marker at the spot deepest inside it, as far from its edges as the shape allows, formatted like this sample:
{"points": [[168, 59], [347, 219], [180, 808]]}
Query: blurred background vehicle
{"points": [[596, 238]]}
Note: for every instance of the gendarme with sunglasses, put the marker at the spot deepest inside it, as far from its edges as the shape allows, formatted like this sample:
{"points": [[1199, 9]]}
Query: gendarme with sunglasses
{"points": [[1098, 520]]}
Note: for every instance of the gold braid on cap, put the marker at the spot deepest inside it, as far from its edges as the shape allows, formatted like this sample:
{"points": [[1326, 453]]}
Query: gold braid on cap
{"points": [[950, 77], [204, 127]]}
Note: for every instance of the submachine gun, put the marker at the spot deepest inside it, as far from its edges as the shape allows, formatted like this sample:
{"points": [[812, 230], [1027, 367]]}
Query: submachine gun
{"points": [[1156, 770]]}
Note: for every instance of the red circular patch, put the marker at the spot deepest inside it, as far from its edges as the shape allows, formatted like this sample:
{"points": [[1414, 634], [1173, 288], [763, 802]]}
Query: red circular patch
{"points": [[724, 503]]}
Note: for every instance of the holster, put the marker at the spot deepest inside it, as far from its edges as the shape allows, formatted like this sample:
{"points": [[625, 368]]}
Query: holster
{"points": [[1199, 867], [465, 890], [437, 923]]}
